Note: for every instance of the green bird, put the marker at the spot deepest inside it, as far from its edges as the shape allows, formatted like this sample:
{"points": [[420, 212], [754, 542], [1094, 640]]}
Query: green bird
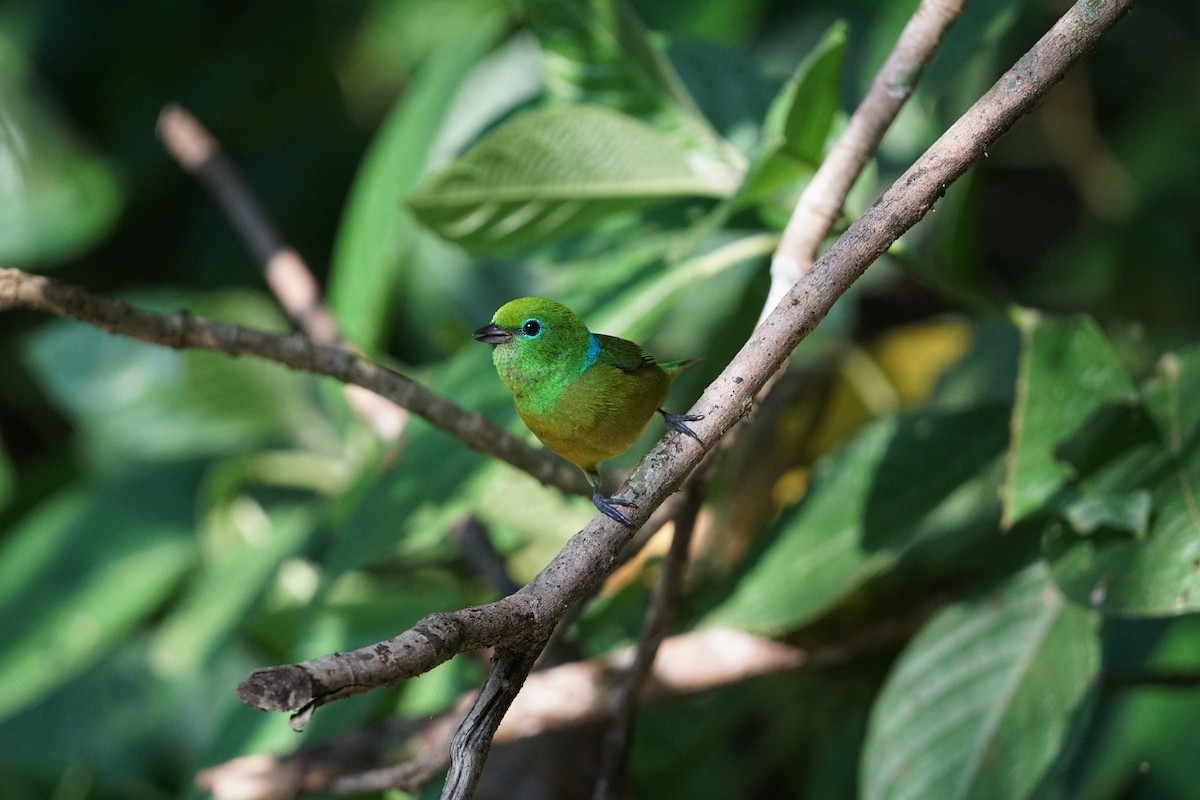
{"points": [[586, 396]]}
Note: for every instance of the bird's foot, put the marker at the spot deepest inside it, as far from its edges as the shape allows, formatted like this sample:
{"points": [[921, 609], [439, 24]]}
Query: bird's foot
{"points": [[679, 422], [608, 505]]}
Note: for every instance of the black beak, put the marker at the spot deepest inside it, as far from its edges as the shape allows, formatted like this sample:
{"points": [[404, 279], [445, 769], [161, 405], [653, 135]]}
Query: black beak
{"points": [[493, 334]]}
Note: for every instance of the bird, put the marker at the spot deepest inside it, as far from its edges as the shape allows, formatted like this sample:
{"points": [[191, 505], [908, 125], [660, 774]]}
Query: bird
{"points": [[585, 395]]}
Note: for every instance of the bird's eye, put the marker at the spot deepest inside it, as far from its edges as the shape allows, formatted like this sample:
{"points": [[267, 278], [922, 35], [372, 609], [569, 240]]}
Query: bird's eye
{"points": [[532, 328]]}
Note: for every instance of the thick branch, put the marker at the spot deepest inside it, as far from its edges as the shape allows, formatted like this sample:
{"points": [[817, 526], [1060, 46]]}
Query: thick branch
{"points": [[820, 203], [182, 329], [552, 700], [589, 555]]}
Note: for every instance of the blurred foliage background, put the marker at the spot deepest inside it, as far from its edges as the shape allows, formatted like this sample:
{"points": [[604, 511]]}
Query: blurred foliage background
{"points": [[1011, 576]]}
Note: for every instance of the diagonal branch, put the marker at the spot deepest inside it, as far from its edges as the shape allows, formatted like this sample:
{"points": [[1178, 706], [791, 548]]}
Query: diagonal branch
{"points": [[290, 279], [552, 702], [473, 739], [622, 702], [820, 203], [182, 329], [587, 557]]}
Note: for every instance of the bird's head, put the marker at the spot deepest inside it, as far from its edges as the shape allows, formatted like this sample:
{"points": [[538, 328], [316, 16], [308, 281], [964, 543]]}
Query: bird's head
{"points": [[533, 335]]}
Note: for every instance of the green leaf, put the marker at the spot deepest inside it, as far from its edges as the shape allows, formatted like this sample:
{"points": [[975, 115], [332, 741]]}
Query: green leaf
{"points": [[57, 197], [227, 583], [803, 114], [1139, 553], [899, 484], [1127, 512], [376, 241], [1068, 372], [81, 571], [598, 53], [981, 701], [546, 173], [799, 120], [1142, 722], [729, 87], [133, 401]]}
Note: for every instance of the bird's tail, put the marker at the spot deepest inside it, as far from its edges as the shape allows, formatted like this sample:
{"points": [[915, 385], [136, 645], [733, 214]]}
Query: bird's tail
{"points": [[673, 368]]}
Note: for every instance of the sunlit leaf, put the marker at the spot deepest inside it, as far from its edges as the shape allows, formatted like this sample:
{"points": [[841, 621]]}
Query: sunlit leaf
{"points": [[1129, 540], [980, 703], [598, 53], [377, 237], [1068, 372], [544, 174], [798, 123], [900, 483], [1124, 512]]}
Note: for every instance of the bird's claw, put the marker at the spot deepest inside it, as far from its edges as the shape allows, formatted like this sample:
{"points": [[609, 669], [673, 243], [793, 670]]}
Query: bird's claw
{"points": [[679, 422], [608, 506]]}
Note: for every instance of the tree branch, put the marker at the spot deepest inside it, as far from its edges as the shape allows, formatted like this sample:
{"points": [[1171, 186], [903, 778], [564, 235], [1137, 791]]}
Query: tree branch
{"points": [[622, 703], [552, 700], [820, 203], [290, 279], [471, 743], [587, 557], [183, 329]]}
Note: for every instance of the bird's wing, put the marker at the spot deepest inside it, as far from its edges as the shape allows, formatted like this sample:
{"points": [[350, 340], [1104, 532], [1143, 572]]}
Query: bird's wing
{"points": [[622, 353]]}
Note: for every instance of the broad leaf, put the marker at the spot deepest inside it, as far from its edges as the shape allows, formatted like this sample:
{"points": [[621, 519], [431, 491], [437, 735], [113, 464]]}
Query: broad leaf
{"points": [[980, 703], [1068, 372], [798, 123], [56, 196], [900, 483], [377, 239], [81, 571], [544, 174], [1128, 541], [598, 52]]}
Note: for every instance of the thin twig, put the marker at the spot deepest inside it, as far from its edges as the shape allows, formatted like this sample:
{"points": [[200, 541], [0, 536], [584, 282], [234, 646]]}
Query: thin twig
{"points": [[183, 329], [664, 601], [285, 272], [821, 201], [471, 743], [199, 153], [588, 556], [476, 546], [431, 757]]}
